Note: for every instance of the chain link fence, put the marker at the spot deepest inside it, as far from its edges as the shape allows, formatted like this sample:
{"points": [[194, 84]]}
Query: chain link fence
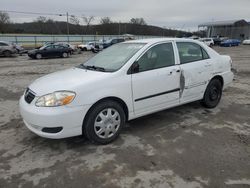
{"points": [[38, 40]]}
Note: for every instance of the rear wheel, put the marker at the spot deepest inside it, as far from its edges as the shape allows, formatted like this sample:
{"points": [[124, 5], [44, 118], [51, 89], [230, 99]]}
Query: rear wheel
{"points": [[212, 94], [7, 53], [64, 55], [104, 122]]}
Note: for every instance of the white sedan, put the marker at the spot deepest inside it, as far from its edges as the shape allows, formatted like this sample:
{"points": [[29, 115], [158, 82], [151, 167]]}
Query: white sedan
{"points": [[124, 82], [246, 42], [208, 41], [86, 47]]}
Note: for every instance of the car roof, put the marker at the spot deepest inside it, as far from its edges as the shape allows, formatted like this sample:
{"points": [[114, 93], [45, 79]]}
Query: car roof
{"points": [[5, 42], [156, 40]]}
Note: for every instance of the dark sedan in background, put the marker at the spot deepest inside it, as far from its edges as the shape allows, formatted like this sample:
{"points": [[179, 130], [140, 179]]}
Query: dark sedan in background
{"points": [[50, 51], [111, 42]]}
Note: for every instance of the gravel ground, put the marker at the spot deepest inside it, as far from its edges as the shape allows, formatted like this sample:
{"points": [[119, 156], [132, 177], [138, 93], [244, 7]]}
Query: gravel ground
{"points": [[187, 146]]}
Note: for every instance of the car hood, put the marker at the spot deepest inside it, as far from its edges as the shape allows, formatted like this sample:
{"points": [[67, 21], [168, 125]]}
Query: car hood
{"points": [[33, 51], [70, 79]]}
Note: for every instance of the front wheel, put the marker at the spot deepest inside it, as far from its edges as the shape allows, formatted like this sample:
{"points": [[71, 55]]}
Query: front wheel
{"points": [[38, 56], [212, 94], [104, 122]]}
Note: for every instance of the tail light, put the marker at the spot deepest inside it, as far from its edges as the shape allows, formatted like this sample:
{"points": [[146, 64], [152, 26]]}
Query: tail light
{"points": [[231, 64]]}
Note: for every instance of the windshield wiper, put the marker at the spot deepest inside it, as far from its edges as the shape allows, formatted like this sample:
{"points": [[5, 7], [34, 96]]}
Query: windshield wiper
{"points": [[93, 67]]}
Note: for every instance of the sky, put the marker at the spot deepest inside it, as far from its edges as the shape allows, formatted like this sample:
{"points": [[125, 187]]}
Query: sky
{"points": [[178, 14]]}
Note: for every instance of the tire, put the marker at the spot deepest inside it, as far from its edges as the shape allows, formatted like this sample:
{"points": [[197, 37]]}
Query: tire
{"points": [[212, 94], [7, 53], [64, 55], [84, 49], [38, 56], [104, 122]]}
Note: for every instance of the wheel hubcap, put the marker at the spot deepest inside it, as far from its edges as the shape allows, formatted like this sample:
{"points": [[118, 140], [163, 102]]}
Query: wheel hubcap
{"points": [[214, 94], [107, 123]]}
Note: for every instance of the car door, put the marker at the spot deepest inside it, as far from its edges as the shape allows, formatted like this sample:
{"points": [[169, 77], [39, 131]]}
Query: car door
{"points": [[48, 51], [155, 80], [1, 48], [196, 71], [114, 41], [58, 50]]}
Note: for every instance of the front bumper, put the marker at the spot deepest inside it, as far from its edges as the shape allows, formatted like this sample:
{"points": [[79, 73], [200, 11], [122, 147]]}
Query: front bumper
{"points": [[31, 55], [38, 118]]}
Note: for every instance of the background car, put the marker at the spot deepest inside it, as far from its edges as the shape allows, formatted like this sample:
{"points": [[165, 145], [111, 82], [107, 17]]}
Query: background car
{"points": [[54, 50], [217, 41], [246, 42], [98, 46], [208, 41], [7, 49], [230, 42], [111, 42], [72, 48], [86, 47], [20, 49]]}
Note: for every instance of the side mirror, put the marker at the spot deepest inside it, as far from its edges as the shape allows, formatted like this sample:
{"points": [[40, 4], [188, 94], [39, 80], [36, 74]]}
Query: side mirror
{"points": [[134, 68]]}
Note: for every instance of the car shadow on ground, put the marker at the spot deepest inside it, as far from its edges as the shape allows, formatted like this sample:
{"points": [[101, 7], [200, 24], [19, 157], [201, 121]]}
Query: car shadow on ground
{"points": [[143, 126]]}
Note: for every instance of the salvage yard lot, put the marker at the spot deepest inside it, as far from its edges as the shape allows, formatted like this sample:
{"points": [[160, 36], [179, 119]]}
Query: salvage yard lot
{"points": [[187, 146]]}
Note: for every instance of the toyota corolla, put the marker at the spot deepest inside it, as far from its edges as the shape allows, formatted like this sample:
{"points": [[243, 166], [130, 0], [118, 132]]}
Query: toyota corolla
{"points": [[124, 82]]}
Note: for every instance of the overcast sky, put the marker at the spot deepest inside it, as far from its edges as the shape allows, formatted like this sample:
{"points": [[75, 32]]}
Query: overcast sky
{"points": [[181, 14]]}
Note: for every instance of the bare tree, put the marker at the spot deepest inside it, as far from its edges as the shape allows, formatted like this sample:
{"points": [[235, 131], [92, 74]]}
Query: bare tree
{"points": [[4, 21], [105, 20], [87, 20], [74, 20], [41, 19], [138, 21]]}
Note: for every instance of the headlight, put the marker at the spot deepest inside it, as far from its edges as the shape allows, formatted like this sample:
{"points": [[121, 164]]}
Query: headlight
{"points": [[58, 98]]}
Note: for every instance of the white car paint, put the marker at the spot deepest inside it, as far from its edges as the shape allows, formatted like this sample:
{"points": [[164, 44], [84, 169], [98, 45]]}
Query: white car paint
{"points": [[207, 41], [246, 42], [91, 86], [88, 46]]}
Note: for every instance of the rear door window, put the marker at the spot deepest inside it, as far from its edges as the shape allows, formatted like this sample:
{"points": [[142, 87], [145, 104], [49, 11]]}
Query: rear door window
{"points": [[190, 52]]}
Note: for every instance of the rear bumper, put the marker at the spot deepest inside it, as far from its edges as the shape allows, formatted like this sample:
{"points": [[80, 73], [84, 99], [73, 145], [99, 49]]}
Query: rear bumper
{"points": [[228, 78], [70, 119]]}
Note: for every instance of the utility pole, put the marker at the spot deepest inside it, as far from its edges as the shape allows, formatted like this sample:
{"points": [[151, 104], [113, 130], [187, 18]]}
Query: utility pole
{"points": [[119, 28], [67, 26]]}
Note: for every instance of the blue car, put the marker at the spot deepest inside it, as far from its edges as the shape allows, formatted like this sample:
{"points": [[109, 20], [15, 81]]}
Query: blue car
{"points": [[230, 42]]}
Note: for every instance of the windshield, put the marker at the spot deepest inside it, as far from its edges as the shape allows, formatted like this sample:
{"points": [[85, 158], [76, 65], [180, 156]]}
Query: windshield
{"points": [[43, 47], [108, 41], [113, 58]]}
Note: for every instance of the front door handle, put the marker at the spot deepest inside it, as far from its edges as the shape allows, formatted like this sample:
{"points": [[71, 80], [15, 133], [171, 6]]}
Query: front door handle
{"points": [[174, 70], [208, 64]]}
